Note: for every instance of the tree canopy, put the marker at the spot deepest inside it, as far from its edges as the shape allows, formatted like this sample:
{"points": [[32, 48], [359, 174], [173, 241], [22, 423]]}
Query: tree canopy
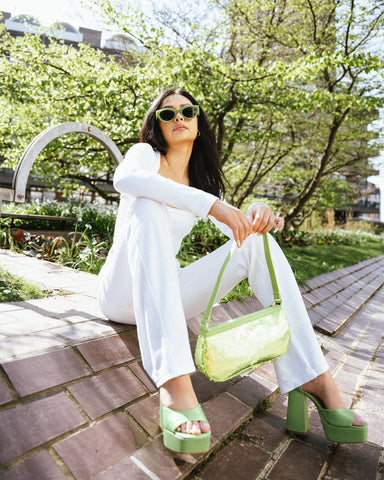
{"points": [[289, 87]]}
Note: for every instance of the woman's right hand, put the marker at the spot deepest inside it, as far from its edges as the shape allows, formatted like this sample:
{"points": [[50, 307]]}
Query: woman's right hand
{"points": [[240, 225]]}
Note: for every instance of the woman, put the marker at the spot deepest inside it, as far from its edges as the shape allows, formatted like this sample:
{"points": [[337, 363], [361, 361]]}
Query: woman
{"points": [[165, 181]]}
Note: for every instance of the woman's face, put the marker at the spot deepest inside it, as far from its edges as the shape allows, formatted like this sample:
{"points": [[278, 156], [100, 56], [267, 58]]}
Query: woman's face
{"points": [[180, 130]]}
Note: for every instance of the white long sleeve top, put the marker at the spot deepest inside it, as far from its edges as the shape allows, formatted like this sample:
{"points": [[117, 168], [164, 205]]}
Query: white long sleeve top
{"points": [[137, 176]]}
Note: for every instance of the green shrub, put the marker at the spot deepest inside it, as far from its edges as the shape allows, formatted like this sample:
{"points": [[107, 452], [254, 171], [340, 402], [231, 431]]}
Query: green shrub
{"points": [[204, 238]]}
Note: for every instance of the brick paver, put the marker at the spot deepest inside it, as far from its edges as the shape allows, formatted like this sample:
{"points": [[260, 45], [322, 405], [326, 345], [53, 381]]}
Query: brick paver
{"points": [[93, 450], [242, 461], [299, 460], [28, 426], [108, 352], [40, 466], [106, 392], [76, 403], [5, 395], [31, 375]]}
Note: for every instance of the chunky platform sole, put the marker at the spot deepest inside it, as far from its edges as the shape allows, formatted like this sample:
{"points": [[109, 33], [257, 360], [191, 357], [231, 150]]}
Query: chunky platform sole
{"points": [[337, 423], [183, 442]]}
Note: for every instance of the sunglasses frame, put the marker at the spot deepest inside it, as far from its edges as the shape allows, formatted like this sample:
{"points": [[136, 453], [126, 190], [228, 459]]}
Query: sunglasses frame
{"points": [[176, 111]]}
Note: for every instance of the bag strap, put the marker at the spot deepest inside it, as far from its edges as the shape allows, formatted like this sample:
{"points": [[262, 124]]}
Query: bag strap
{"points": [[275, 288]]}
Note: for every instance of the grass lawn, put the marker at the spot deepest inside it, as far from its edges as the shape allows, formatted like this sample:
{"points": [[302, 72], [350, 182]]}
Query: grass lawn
{"points": [[15, 289], [308, 262]]}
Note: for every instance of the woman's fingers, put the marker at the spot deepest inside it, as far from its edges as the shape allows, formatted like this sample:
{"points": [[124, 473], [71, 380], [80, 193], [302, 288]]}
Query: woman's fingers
{"points": [[240, 225], [263, 220], [279, 223], [259, 219]]}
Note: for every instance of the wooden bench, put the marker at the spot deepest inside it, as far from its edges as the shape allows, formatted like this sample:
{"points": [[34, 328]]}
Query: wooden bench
{"points": [[27, 217]]}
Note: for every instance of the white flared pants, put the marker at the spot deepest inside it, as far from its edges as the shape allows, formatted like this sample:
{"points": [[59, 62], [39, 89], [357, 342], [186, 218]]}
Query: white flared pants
{"points": [[142, 283]]}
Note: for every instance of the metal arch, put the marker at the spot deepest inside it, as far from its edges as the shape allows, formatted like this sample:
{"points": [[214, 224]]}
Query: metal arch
{"points": [[24, 166]]}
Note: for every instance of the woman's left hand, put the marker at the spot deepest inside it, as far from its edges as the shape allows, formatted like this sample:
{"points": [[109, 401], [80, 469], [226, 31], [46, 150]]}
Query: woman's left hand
{"points": [[263, 219]]}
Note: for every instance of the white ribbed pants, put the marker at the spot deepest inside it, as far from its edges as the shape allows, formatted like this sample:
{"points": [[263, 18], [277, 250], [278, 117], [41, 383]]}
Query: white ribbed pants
{"points": [[142, 281]]}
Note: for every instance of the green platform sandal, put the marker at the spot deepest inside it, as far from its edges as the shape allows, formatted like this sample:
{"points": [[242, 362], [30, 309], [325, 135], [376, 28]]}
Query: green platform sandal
{"points": [[183, 442], [337, 423]]}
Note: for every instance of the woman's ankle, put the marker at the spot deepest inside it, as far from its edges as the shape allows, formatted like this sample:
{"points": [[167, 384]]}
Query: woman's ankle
{"points": [[178, 393], [324, 387]]}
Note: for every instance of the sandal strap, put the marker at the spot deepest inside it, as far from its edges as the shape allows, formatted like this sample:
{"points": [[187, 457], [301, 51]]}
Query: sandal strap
{"points": [[174, 418], [339, 417]]}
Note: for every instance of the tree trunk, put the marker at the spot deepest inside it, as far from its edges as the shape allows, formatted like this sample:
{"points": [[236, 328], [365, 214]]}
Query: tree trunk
{"points": [[310, 187]]}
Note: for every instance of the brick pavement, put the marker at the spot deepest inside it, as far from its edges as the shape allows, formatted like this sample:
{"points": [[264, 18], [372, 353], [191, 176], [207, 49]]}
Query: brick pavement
{"points": [[75, 402]]}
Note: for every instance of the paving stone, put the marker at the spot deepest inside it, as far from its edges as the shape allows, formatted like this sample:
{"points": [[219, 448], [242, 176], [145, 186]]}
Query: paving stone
{"points": [[39, 467], [323, 309], [371, 400], [71, 308], [239, 460], [126, 469], [109, 351], [323, 293], [267, 430], [253, 303], [5, 395], [28, 426], [375, 425], [103, 393], [30, 375], [360, 358], [380, 351], [93, 450], [28, 345], [308, 304], [220, 314], [22, 322], [164, 463], [315, 317], [375, 380], [193, 325], [279, 406], [269, 383], [225, 413], [268, 372], [206, 389], [347, 382], [237, 308], [146, 413], [141, 374], [10, 306], [84, 330], [355, 462], [315, 437], [298, 461], [378, 364], [249, 391]]}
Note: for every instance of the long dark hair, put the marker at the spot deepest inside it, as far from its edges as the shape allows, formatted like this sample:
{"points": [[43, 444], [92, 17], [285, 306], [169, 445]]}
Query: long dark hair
{"points": [[204, 167]]}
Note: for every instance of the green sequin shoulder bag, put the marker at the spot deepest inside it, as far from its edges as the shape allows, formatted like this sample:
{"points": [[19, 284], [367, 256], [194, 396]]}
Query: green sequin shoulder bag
{"points": [[225, 350]]}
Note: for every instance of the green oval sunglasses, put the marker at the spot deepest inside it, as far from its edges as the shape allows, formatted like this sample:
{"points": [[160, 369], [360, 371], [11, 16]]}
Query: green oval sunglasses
{"points": [[168, 114]]}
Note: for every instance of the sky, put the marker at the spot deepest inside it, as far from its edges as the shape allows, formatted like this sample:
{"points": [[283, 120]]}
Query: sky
{"points": [[49, 11]]}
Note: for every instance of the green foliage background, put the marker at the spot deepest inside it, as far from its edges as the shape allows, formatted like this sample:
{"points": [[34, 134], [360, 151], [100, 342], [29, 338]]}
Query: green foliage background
{"points": [[289, 88]]}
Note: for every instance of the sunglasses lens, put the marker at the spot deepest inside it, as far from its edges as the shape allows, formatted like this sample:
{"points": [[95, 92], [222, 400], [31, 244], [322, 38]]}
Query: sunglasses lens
{"points": [[189, 112], [167, 115]]}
